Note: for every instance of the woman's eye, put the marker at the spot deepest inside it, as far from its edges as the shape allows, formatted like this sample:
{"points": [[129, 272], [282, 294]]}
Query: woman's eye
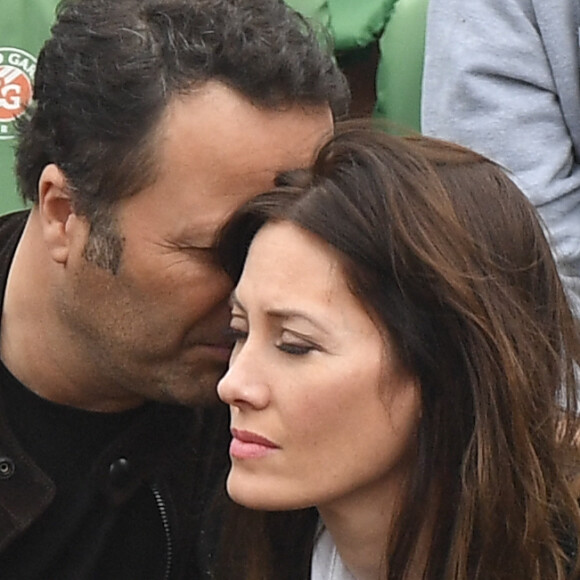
{"points": [[295, 349]]}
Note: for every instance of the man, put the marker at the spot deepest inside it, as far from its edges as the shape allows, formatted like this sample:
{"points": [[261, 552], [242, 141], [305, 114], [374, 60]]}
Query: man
{"points": [[503, 77], [153, 120]]}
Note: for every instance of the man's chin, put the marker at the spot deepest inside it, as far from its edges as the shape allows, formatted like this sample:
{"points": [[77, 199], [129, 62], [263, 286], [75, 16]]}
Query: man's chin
{"points": [[200, 391]]}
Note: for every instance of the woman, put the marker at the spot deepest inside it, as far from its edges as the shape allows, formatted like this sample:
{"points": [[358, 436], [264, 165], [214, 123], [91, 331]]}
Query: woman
{"points": [[402, 387]]}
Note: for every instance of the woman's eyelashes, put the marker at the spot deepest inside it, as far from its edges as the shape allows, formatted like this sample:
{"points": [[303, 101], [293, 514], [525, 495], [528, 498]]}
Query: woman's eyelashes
{"points": [[294, 348], [287, 344]]}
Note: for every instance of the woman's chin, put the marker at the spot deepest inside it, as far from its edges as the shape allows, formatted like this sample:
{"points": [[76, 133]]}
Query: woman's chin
{"points": [[262, 497]]}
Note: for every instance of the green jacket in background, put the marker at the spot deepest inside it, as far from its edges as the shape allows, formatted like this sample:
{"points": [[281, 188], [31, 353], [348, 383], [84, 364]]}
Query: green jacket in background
{"points": [[24, 26], [399, 28]]}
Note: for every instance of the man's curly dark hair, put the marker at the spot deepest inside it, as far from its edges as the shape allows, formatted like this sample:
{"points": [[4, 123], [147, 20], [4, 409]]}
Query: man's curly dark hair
{"points": [[107, 74]]}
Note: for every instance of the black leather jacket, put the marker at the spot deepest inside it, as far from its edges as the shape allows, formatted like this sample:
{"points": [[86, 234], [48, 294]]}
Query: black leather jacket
{"points": [[179, 453]]}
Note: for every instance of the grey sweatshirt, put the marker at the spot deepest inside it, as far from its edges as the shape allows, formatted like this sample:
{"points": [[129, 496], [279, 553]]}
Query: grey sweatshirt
{"points": [[503, 78]]}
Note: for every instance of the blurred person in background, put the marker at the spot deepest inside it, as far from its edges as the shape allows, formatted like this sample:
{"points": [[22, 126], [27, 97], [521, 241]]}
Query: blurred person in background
{"points": [[503, 78]]}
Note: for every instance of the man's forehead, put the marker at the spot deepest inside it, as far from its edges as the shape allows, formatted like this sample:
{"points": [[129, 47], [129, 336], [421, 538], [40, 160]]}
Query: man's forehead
{"points": [[222, 122]]}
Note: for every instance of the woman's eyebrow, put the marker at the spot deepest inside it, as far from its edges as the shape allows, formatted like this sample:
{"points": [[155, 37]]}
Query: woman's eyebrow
{"points": [[292, 313], [282, 313]]}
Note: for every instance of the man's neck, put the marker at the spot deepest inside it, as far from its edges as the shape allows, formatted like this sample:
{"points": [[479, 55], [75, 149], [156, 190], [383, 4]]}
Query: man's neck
{"points": [[34, 345]]}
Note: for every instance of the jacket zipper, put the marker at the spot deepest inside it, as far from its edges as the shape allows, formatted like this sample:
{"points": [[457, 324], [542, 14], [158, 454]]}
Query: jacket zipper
{"points": [[166, 528]]}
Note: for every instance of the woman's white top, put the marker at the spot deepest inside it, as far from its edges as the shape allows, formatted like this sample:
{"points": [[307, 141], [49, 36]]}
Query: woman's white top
{"points": [[326, 562]]}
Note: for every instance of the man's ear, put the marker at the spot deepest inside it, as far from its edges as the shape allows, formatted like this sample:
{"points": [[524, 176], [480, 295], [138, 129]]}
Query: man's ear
{"points": [[57, 215]]}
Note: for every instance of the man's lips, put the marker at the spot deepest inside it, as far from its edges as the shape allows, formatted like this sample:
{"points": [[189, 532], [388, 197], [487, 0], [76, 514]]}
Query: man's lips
{"points": [[220, 350], [248, 445], [218, 339]]}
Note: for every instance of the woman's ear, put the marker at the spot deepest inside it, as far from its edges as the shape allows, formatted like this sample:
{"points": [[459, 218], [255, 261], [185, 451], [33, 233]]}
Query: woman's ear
{"points": [[56, 212]]}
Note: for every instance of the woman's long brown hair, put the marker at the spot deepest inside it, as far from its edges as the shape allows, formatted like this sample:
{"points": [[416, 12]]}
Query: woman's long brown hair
{"points": [[451, 260]]}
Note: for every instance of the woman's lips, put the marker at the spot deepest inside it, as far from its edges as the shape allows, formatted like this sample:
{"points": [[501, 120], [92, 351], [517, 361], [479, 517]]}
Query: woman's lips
{"points": [[248, 445]]}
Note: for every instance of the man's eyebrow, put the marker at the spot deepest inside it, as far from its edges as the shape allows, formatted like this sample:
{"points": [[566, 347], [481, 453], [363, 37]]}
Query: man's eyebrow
{"points": [[199, 237]]}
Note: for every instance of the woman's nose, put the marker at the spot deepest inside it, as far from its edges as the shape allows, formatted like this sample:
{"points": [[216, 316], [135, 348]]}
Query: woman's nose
{"points": [[245, 384]]}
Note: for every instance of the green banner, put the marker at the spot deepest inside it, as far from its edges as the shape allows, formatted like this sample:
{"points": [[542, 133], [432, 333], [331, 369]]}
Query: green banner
{"points": [[24, 26]]}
